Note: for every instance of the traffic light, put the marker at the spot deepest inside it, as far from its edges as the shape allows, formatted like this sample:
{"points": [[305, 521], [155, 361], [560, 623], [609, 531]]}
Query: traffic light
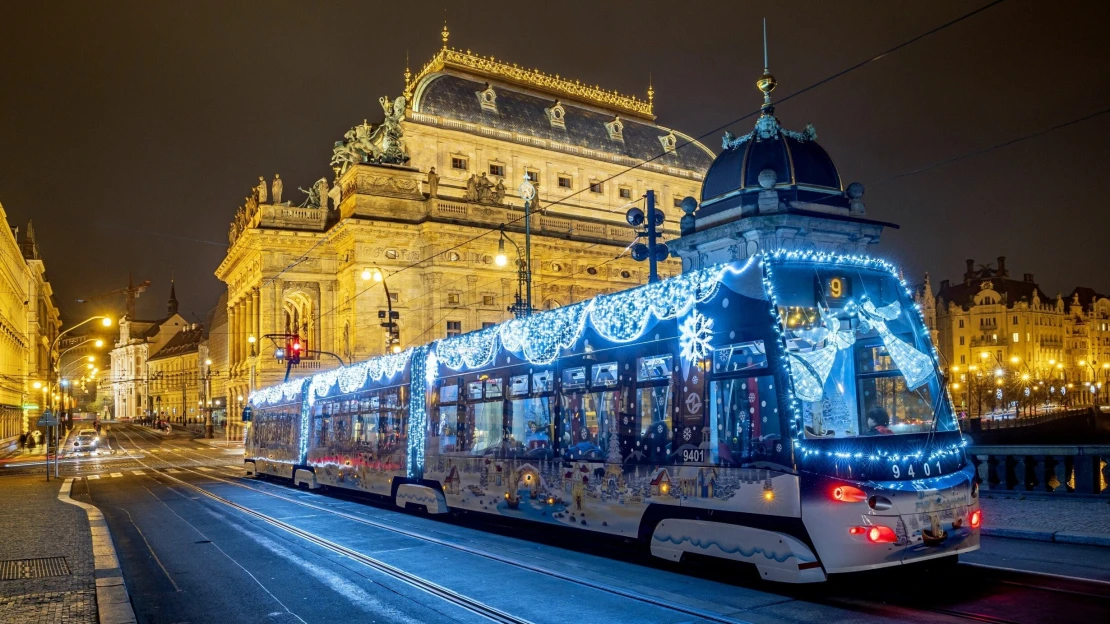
{"points": [[294, 352]]}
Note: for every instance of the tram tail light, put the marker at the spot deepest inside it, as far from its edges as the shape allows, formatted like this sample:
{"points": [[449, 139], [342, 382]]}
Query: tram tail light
{"points": [[976, 518], [857, 530], [881, 535], [848, 494]]}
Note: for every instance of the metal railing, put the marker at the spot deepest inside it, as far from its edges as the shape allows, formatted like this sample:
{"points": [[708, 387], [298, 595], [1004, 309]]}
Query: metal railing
{"points": [[987, 423], [1047, 469]]}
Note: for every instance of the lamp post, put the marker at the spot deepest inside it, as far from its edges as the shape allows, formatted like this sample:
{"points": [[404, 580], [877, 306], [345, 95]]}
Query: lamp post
{"points": [[528, 194], [53, 375], [389, 317], [209, 430], [1025, 377], [523, 305]]}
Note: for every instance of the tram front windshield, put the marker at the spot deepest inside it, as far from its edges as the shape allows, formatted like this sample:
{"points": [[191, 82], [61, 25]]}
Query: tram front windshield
{"points": [[859, 355]]}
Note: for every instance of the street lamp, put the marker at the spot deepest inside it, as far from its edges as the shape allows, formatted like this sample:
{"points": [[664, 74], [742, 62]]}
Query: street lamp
{"points": [[523, 305], [388, 316]]}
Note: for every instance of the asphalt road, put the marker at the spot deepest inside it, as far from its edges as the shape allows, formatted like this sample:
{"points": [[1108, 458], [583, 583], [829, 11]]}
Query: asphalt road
{"points": [[199, 543]]}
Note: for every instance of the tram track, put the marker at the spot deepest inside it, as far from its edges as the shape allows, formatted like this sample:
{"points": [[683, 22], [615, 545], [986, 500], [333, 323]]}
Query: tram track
{"points": [[702, 614], [476, 607], [900, 607]]}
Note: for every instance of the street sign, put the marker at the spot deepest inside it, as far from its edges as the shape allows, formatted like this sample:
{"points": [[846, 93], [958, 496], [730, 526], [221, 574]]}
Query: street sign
{"points": [[246, 417], [48, 419]]}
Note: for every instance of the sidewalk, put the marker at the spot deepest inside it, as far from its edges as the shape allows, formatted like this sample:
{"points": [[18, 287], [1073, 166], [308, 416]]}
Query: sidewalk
{"points": [[36, 525], [1066, 520]]}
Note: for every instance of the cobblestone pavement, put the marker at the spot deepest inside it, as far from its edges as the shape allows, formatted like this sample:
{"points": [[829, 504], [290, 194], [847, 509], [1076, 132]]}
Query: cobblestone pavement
{"points": [[1082, 516], [35, 524]]}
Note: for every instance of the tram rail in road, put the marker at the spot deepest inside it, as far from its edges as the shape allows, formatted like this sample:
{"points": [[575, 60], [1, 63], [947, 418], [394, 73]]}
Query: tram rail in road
{"points": [[903, 607], [470, 604], [609, 589]]}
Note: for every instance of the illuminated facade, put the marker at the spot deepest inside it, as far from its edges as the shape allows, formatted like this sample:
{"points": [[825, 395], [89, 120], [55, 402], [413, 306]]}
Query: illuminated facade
{"points": [[995, 323], [138, 340], [29, 323], [174, 373], [420, 199]]}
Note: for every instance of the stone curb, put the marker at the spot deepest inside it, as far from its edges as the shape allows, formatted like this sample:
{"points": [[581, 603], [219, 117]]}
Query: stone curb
{"points": [[1037, 535], [113, 604]]}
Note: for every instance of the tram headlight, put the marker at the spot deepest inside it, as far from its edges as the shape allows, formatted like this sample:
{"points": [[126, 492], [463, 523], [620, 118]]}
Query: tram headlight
{"points": [[848, 494], [976, 518]]}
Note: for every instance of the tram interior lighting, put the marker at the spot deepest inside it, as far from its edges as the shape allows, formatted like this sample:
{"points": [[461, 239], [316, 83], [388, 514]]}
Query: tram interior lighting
{"points": [[881, 535], [976, 518], [848, 494]]}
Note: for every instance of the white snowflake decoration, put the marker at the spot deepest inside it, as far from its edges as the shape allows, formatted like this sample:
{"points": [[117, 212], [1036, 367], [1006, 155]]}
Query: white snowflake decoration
{"points": [[696, 332]]}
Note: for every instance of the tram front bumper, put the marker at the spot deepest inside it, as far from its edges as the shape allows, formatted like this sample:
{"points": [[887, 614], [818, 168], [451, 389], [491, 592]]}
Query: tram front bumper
{"points": [[933, 518]]}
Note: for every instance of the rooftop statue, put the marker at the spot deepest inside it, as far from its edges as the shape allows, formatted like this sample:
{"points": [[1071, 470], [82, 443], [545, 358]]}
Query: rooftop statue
{"points": [[367, 144], [317, 194]]}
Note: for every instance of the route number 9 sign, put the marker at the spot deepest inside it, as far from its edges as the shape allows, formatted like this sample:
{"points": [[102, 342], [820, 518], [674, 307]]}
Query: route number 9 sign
{"points": [[833, 289]]}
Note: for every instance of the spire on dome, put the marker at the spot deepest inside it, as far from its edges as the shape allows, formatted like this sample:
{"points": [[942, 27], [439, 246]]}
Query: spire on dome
{"points": [[766, 83], [444, 34]]}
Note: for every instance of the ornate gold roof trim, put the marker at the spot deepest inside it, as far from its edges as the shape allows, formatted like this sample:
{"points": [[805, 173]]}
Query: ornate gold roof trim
{"points": [[450, 58]]}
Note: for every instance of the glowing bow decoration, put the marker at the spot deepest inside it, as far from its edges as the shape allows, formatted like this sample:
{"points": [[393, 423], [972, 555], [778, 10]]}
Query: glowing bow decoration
{"points": [[916, 367]]}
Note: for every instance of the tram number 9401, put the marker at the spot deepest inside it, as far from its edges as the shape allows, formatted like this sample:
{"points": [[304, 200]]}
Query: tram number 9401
{"points": [[917, 470], [693, 455]]}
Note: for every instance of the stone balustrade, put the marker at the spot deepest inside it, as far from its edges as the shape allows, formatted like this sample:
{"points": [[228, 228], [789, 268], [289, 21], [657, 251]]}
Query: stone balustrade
{"points": [[1045, 469]]}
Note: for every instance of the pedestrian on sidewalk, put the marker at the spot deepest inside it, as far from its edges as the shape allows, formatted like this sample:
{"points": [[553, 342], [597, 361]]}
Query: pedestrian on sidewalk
{"points": [[37, 435], [22, 441]]}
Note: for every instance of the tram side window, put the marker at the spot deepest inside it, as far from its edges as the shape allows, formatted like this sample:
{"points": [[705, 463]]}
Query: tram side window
{"points": [[653, 438], [444, 429], [390, 431], [365, 431], [530, 427], [585, 425], [485, 430], [744, 423]]}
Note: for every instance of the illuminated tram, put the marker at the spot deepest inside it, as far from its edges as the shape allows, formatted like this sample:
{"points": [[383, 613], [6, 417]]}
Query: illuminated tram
{"points": [[786, 412]]}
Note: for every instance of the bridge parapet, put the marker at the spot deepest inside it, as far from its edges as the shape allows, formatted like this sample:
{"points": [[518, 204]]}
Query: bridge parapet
{"points": [[1045, 469]]}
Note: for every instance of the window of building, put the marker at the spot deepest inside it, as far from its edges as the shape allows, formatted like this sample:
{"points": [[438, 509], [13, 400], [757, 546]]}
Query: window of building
{"points": [[1017, 337], [677, 202], [533, 176], [963, 359], [487, 324], [1015, 320], [454, 298], [458, 163], [961, 341], [454, 328], [564, 182], [595, 187], [625, 193], [487, 300], [497, 170], [961, 323]]}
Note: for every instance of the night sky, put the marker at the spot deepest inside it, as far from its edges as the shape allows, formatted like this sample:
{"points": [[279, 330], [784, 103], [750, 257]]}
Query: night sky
{"points": [[130, 132]]}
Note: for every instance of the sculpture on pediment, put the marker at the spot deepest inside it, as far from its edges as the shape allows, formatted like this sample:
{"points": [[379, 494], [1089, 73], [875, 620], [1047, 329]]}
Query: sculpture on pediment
{"points": [[497, 194], [336, 195], [316, 194], [484, 187], [471, 194], [388, 135], [366, 144], [277, 187], [262, 191], [433, 183]]}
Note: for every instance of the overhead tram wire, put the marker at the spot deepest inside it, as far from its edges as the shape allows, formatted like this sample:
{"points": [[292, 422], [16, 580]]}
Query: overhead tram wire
{"points": [[795, 94], [986, 150]]}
